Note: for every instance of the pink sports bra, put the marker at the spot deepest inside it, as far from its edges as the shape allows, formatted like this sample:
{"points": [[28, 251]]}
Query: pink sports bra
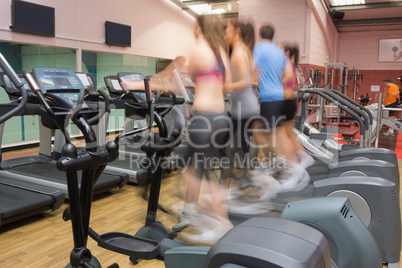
{"points": [[219, 71]]}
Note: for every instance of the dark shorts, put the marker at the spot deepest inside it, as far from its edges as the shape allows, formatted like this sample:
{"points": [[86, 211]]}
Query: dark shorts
{"points": [[207, 137], [392, 105], [289, 110], [272, 113]]}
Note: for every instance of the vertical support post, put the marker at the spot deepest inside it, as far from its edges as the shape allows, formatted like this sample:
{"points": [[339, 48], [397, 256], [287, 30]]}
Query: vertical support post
{"points": [[321, 110], [354, 78], [101, 129], [1, 138], [45, 146], [59, 141], [78, 58], [345, 84], [341, 87], [379, 119]]}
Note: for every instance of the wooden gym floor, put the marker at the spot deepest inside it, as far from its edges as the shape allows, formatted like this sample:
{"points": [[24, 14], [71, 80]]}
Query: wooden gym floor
{"points": [[46, 241]]}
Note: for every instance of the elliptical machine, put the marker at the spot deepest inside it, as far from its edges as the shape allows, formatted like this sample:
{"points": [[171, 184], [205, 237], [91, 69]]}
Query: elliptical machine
{"points": [[92, 161]]}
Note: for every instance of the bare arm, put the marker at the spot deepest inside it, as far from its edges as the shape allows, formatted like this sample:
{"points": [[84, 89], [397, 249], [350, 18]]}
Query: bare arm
{"points": [[132, 85], [156, 84], [255, 81], [228, 72], [159, 81], [287, 74], [193, 62]]}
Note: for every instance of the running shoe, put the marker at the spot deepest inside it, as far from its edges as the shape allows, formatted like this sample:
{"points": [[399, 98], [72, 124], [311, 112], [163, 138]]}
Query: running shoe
{"points": [[294, 178]]}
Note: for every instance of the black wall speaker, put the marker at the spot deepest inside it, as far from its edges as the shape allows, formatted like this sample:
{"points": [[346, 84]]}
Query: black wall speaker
{"points": [[337, 15]]}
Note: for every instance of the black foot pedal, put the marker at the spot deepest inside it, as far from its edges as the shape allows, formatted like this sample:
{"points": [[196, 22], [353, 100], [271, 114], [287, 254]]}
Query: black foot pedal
{"points": [[132, 246]]}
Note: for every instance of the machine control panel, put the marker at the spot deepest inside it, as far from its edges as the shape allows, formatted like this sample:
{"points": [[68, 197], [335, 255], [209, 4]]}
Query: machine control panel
{"points": [[57, 79], [70, 98], [60, 82]]}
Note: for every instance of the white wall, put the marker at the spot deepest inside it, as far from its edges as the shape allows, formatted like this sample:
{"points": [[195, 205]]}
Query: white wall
{"points": [[328, 30], [284, 15], [360, 50], [159, 28], [319, 50], [303, 21]]}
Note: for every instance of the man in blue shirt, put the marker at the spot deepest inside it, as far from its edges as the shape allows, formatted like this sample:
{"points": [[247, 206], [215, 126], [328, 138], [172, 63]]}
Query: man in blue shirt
{"points": [[273, 71]]}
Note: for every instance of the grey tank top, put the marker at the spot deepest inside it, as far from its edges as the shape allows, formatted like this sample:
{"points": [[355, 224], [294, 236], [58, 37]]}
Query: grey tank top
{"points": [[244, 103]]}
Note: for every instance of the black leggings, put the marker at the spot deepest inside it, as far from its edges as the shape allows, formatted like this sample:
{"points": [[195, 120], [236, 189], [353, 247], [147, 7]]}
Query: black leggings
{"points": [[240, 132], [207, 138]]}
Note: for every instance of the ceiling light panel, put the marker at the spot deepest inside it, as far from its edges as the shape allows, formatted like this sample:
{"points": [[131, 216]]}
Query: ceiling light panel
{"points": [[347, 2], [210, 9]]}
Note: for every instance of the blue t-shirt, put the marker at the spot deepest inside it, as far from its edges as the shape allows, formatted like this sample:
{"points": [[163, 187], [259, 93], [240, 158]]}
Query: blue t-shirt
{"points": [[270, 62]]}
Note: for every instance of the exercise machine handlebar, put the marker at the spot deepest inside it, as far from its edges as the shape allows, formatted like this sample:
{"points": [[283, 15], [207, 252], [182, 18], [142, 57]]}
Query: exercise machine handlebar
{"points": [[102, 112], [344, 108], [10, 72], [367, 111], [357, 110], [313, 84], [18, 84], [326, 82]]}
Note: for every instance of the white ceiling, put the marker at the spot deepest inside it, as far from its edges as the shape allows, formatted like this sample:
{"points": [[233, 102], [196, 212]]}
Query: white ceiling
{"points": [[186, 4], [374, 15]]}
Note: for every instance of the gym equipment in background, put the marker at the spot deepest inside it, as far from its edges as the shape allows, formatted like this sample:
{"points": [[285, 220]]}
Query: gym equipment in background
{"points": [[66, 88], [131, 159], [18, 199]]}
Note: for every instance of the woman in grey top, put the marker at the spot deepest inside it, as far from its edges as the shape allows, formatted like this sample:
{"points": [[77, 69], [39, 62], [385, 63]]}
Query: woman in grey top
{"points": [[244, 103]]}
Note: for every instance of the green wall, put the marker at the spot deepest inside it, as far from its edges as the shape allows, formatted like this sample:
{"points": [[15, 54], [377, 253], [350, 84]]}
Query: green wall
{"points": [[25, 57]]}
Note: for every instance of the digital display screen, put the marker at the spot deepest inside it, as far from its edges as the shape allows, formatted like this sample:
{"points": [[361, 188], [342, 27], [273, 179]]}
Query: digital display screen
{"points": [[56, 73], [118, 34], [61, 81], [32, 18]]}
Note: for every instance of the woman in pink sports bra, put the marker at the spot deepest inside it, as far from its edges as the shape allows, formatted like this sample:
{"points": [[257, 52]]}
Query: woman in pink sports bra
{"points": [[208, 64], [209, 126], [295, 151]]}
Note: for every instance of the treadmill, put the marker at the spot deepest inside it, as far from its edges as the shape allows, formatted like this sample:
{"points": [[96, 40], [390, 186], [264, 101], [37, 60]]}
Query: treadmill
{"points": [[41, 169], [18, 199]]}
